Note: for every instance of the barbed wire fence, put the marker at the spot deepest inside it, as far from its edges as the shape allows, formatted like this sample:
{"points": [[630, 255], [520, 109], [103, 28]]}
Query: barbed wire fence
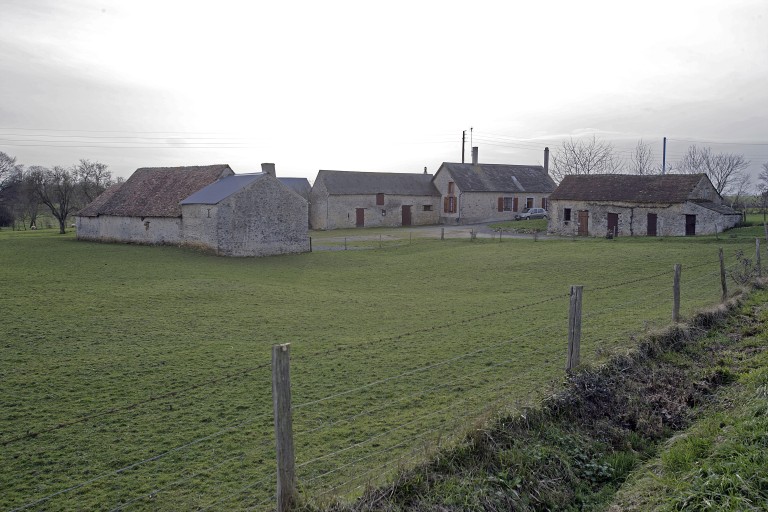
{"points": [[366, 426]]}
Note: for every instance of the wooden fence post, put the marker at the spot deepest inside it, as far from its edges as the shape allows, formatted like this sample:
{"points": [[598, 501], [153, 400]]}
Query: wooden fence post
{"points": [[723, 284], [442, 233], [757, 258], [574, 328], [310, 244], [379, 241], [345, 243], [281, 398], [676, 295], [500, 232]]}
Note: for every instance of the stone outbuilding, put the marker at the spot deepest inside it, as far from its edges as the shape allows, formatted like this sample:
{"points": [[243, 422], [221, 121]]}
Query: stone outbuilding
{"points": [[475, 193], [345, 199], [209, 207], [632, 205]]}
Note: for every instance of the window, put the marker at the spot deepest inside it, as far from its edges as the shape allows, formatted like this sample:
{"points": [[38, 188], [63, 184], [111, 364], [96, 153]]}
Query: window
{"points": [[449, 205], [450, 188], [380, 198], [383, 213], [566, 214], [544, 202], [427, 208], [529, 202]]}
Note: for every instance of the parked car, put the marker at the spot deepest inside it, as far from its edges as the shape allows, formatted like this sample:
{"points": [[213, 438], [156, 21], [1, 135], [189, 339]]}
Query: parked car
{"points": [[532, 213]]}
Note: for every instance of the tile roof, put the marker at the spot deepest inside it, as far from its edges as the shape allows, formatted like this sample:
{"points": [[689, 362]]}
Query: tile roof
{"points": [[92, 209], [667, 188], [299, 185], [157, 191], [395, 183], [500, 178]]}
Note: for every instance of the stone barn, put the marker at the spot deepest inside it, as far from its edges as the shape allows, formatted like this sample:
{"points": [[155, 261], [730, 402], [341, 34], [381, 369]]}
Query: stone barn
{"points": [[344, 199], [475, 193], [632, 205], [209, 207]]}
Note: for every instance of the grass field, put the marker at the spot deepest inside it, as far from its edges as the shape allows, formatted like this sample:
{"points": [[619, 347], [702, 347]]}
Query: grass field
{"points": [[137, 378]]}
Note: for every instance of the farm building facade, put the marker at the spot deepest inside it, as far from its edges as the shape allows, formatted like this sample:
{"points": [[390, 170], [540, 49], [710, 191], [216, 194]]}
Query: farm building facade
{"points": [[632, 205], [209, 207], [346, 199], [473, 193]]}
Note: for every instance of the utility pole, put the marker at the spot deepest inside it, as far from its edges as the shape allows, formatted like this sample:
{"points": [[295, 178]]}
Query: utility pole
{"points": [[470, 137], [664, 158], [463, 143]]}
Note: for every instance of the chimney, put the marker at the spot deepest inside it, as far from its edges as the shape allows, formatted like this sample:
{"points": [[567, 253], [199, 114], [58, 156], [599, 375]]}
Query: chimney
{"points": [[425, 170], [546, 160], [268, 169], [474, 155]]}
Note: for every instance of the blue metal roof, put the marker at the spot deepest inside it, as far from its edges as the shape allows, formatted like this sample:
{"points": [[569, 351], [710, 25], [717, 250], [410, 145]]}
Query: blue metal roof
{"points": [[222, 189]]}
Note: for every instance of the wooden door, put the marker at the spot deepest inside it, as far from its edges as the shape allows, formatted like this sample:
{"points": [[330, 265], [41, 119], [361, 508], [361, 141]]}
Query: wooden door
{"points": [[584, 223], [690, 225], [613, 224], [652, 221], [407, 215], [360, 217]]}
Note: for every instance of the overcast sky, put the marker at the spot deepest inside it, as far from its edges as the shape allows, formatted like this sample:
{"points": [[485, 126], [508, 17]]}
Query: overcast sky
{"points": [[375, 86]]}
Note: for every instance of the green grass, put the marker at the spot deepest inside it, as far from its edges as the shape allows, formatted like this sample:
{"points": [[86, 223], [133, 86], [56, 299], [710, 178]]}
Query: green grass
{"points": [[720, 462], [522, 226], [155, 360]]}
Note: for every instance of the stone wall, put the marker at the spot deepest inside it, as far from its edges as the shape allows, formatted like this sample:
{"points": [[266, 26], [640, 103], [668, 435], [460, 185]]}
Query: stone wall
{"points": [[141, 230], [340, 211], [263, 219], [633, 219]]}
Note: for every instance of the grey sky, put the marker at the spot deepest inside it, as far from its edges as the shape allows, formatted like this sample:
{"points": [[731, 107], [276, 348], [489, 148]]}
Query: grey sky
{"points": [[370, 86]]}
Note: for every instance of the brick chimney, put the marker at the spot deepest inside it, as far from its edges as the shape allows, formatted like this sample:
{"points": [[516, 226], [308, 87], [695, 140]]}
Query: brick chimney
{"points": [[268, 169], [474, 155]]}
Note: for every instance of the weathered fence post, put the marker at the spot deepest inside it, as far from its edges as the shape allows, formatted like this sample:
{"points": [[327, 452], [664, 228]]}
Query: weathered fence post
{"points": [[574, 328], [281, 398], [379, 241], [310, 244], [676, 295], [757, 258], [345, 243], [723, 283], [442, 233], [500, 232]]}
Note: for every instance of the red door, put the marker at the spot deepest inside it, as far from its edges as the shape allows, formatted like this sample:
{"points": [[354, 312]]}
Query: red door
{"points": [[584, 223], [407, 215], [613, 224], [359, 217]]}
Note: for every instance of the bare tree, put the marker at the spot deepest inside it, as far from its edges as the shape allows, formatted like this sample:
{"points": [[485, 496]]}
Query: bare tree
{"points": [[92, 178], [56, 189], [739, 187], [584, 156], [762, 188], [8, 168], [642, 161], [723, 169]]}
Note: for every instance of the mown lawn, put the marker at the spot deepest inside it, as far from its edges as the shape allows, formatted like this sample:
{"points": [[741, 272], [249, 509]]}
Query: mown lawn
{"points": [[137, 378]]}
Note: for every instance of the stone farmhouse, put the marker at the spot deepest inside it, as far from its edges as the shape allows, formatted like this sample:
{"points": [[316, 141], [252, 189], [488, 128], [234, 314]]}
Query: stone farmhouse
{"points": [[474, 193], [631, 205], [345, 199], [209, 207]]}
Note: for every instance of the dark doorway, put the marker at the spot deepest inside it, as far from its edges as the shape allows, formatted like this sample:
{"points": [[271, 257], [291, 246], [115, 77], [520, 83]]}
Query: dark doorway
{"points": [[360, 217], [613, 224], [584, 223], [407, 215], [652, 219], [690, 225]]}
